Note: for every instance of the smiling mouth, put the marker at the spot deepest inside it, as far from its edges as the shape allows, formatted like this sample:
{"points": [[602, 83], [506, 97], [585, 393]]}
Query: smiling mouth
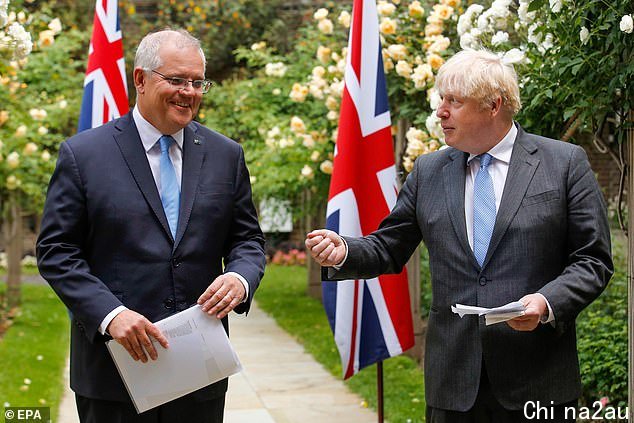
{"points": [[185, 105]]}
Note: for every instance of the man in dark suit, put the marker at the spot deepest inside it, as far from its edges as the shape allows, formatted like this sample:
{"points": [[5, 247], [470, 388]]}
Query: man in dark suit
{"points": [[506, 216], [144, 217]]}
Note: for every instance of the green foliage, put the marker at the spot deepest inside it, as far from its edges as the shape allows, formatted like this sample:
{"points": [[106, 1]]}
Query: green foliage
{"points": [[34, 350], [40, 99], [602, 338], [283, 296], [221, 25], [587, 80]]}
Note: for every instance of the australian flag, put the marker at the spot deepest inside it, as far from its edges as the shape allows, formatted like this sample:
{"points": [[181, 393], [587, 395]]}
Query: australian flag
{"points": [[105, 89], [371, 319]]}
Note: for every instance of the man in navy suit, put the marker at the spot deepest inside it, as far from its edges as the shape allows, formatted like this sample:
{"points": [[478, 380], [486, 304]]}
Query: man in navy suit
{"points": [[506, 216], [120, 256]]}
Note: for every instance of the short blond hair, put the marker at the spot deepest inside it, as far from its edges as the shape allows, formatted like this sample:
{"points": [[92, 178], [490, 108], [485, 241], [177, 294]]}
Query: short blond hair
{"points": [[481, 75]]}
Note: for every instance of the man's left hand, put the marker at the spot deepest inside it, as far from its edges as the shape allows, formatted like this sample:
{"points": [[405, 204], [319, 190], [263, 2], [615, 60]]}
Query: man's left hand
{"points": [[222, 296], [535, 308]]}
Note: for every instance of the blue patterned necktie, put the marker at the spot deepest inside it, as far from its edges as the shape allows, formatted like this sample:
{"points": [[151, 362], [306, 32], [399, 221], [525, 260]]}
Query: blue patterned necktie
{"points": [[170, 191], [483, 209]]}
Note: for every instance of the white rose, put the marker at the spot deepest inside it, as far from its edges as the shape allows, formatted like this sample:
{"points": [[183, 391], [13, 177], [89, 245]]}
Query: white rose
{"points": [[297, 125], [320, 14], [325, 26], [13, 160], [29, 149], [385, 9], [584, 35], [500, 37], [513, 56], [277, 69], [344, 19], [63, 104], [326, 167], [21, 131], [627, 24], [42, 130], [46, 156], [307, 172], [397, 51], [555, 5], [404, 69], [55, 25]]}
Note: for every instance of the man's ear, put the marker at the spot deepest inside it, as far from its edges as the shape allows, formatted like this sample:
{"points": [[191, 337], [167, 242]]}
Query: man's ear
{"points": [[496, 106], [140, 79]]}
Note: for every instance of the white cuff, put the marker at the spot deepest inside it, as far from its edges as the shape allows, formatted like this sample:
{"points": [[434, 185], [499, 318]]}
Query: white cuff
{"points": [[106, 321], [340, 265], [551, 315], [244, 282]]}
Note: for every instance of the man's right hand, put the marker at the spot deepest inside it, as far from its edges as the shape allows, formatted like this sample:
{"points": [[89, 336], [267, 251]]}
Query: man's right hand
{"points": [[326, 247], [133, 331]]}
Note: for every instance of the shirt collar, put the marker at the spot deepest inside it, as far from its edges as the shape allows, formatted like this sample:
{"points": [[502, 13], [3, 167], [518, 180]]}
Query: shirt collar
{"points": [[149, 134], [502, 150]]}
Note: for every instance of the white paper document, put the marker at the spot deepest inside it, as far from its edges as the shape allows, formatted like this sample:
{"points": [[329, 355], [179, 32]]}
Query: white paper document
{"points": [[492, 315], [199, 354]]}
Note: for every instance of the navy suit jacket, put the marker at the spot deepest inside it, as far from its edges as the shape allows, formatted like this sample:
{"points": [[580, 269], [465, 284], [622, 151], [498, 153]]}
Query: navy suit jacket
{"points": [[550, 236], [105, 240]]}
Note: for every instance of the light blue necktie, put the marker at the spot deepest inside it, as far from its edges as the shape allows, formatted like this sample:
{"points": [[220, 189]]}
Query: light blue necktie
{"points": [[483, 209], [170, 191]]}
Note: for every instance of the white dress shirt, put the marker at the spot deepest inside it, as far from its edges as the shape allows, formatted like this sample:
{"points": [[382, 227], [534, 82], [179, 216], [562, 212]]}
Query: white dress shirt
{"points": [[149, 138], [498, 169]]}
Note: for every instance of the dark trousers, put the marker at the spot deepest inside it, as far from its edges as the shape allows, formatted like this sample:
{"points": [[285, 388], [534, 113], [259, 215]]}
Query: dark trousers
{"points": [[181, 410], [487, 409]]}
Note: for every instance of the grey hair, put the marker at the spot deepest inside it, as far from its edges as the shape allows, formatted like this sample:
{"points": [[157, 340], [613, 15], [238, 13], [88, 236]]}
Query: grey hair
{"points": [[147, 53], [481, 75]]}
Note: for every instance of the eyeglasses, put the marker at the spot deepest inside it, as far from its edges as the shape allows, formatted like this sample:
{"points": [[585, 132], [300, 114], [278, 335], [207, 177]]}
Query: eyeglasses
{"points": [[182, 83]]}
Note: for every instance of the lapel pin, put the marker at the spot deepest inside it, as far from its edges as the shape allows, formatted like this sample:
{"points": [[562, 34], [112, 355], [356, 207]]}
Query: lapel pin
{"points": [[196, 141]]}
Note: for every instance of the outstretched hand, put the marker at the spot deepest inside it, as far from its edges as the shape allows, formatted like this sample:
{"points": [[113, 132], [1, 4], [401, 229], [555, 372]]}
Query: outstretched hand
{"points": [[326, 247]]}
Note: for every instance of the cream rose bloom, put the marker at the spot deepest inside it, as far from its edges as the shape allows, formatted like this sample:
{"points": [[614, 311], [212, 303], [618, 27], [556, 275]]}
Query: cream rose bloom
{"points": [[344, 19], [388, 26], [325, 26], [397, 51], [404, 69], [320, 14], [416, 10]]}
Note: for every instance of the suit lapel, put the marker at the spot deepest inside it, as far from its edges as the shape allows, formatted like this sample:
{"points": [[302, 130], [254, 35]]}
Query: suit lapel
{"points": [[454, 173], [134, 155], [521, 170], [193, 157]]}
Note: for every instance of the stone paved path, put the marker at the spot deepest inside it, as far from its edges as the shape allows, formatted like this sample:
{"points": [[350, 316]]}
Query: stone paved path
{"points": [[280, 383]]}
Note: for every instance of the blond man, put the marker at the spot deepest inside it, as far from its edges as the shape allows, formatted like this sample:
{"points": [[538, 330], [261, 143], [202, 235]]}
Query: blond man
{"points": [[506, 216]]}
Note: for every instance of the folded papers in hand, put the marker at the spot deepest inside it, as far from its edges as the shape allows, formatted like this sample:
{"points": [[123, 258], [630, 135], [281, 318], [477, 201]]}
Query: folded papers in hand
{"points": [[492, 315]]}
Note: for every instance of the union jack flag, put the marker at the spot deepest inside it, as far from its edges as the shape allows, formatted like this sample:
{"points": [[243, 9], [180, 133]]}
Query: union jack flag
{"points": [[370, 319], [105, 89]]}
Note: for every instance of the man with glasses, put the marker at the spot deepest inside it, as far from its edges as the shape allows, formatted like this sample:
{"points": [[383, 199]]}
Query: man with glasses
{"points": [[144, 217]]}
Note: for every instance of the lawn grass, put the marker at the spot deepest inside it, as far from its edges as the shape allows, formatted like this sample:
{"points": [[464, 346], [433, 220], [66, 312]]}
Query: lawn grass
{"points": [[34, 350], [283, 296]]}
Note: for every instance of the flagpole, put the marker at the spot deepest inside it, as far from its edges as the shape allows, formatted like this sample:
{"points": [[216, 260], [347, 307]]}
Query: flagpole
{"points": [[379, 389]]}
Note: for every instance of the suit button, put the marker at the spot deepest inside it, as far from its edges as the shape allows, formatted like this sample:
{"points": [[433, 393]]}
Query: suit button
{"points": [[175, 262], [168, 303], [483, 280]]}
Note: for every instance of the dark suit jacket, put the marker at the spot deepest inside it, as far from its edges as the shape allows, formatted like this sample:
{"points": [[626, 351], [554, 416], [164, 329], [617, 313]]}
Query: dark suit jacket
{"points": [[105, 240], [551, 236]]}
